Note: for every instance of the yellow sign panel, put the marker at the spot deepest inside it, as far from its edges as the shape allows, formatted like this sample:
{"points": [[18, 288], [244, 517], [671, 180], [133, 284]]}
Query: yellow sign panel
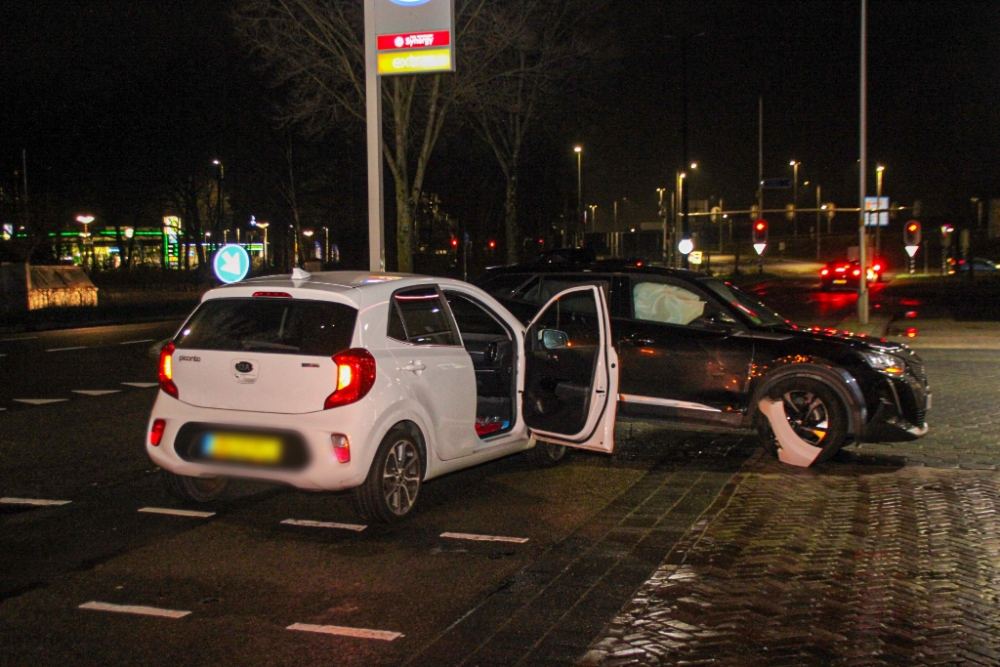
{"points": [[412, 62], [695, 257]]}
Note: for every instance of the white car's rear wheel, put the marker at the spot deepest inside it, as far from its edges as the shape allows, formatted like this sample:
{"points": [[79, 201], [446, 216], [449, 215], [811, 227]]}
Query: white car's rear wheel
{"points": [[194, 489], [393, 484]]}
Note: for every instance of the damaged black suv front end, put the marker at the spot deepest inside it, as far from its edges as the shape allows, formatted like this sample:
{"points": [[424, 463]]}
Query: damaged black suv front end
{"points": [[897, 392]]}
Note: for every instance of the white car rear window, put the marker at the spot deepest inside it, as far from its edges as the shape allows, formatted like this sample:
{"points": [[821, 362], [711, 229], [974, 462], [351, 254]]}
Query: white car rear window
{"points": [[283, 326]]}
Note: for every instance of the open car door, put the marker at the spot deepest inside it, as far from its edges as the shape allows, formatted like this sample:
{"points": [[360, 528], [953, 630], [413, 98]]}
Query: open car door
{"points": [[571, 371]]}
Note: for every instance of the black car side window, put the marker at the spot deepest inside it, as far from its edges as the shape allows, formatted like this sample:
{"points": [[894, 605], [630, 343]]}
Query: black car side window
{"points": [[418, 316]]}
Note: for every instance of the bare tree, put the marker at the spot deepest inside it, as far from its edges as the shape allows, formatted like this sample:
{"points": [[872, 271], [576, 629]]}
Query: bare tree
{"points": [[537, 47], [314, 50]]}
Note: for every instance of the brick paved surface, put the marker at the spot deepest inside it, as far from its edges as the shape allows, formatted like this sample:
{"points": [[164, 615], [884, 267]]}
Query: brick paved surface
{"points": [[889, 555]]}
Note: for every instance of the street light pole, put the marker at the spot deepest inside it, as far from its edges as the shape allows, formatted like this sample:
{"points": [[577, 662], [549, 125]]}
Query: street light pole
{"points": [[795, 196], [579, 186], [878, 211], [819, 220], [862, 232]]}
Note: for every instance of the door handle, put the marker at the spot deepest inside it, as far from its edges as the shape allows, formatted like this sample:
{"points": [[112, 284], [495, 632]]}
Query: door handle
{"points": [[414, 367]]}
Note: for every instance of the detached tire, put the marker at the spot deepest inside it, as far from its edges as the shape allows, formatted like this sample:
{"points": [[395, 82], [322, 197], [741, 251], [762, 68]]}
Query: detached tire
{"points": [[394, 480], [197, 490], [815, 413], [545, 454]]}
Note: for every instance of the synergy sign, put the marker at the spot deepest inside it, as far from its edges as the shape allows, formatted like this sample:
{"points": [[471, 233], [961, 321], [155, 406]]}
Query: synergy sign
{"points": [[415, 36]]}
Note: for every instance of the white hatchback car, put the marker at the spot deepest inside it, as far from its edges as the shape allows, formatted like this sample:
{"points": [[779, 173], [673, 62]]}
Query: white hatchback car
{"points": [[375, 383]]}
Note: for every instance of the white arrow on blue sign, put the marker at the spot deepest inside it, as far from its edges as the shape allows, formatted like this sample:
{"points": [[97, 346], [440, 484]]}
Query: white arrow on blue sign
{"points": [[231, 263]]}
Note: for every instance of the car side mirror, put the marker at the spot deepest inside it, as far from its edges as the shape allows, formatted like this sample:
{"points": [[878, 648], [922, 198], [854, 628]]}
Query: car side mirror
{"points": [[553, 339]]}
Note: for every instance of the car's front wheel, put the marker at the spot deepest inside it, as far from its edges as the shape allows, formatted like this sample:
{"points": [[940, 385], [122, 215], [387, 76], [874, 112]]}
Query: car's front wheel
{"points": [[815, 413], [194, 489], [393, 484]]}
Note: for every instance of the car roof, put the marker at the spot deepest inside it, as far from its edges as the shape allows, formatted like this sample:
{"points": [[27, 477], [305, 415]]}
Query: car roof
{"points": [[597, 266], [360, 289]]}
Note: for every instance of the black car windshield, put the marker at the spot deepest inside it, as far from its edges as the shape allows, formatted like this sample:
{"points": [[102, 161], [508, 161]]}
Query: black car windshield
{"points": [[747, 306]]}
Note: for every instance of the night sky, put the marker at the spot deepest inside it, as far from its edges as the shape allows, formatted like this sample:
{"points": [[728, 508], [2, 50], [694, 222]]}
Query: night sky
{"points": [[107, 92]]}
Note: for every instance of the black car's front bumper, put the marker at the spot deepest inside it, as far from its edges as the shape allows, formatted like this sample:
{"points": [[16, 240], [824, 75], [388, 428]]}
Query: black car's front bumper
{"points": [[901, 413]]}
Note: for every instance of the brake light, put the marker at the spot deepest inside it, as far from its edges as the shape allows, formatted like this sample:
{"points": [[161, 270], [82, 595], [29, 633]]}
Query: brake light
{"points": [[273, 295], [841, 269], [825, 272], [156, 433], [857, 272], [167, 370], [355, 377], [877, 268]]}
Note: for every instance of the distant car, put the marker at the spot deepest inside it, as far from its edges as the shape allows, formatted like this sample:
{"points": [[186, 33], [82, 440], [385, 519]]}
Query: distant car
{"points": [[844, 274], [376, 383], [979, 265]]}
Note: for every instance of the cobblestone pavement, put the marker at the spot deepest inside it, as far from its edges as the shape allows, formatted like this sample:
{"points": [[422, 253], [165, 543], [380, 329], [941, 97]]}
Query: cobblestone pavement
{"points": [[889, 555]]}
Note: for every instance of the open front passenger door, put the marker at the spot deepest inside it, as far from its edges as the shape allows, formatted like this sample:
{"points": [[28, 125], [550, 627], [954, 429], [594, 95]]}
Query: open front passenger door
{"points": [[571, 371]]}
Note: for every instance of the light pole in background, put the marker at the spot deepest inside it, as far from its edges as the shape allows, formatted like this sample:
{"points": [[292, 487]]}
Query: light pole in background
{"points": [[794, 164], [218, 193], [819, 220], [593, 217], [85, 235], [308, 233], [863, 160], [685, 244], [579, 186], [878, 211], [663, 215]]}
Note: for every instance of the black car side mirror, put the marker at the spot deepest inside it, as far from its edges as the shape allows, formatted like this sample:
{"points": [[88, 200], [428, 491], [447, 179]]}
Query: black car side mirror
{"points": [[553, 339]]}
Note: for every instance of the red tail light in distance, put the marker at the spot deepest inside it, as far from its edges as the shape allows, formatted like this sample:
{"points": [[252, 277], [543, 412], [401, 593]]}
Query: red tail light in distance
{"points": [[167, 370], [355, 377]]}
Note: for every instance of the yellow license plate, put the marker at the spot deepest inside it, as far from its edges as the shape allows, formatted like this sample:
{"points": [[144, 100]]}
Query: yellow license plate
{"points": [[839, 282], [241, 448]]}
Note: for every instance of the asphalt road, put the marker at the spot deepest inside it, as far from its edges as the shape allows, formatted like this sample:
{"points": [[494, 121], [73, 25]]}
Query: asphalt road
{"points": [[556, 553]]}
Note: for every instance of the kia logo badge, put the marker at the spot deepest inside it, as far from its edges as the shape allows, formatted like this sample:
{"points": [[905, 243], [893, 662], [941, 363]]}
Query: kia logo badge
{"points": [[409, 3], [244, 367]]}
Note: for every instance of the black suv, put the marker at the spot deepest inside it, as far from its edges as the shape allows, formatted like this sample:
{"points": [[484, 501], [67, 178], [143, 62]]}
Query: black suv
{"points": [[696, 351]]}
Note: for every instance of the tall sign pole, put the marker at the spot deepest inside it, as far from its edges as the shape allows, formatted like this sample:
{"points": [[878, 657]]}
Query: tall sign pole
{"points": [[862, 232], [401, 37], [373, 104]]}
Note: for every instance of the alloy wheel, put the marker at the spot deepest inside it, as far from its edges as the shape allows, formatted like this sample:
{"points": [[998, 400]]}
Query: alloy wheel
{"points": [[401, 477], [807, 415]]}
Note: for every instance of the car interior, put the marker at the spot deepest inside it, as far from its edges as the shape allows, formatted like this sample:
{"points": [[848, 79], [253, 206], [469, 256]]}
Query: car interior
{"points": [[491, 346]]}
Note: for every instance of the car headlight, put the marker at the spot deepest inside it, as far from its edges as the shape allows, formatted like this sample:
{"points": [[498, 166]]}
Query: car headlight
{"points": [[886, 363]]}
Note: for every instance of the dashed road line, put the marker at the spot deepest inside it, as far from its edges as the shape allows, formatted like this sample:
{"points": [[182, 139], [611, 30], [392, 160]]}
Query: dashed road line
{"points": [[3, 354], [96, 392], [134, 609], [136, 342], [39, 401], [484, 538], [141, 385], [173, 512], [34, 502], [360, 633], [14, 340], [321, 524], [66, 349]]}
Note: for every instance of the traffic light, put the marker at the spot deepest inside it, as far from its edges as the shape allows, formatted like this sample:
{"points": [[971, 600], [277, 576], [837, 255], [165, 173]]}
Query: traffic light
{"points": [[454, 243], [760, 232], [911, 233]]}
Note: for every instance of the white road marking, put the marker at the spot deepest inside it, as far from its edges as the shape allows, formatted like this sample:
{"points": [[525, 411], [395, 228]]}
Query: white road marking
{"points": [[321, 524], [35, 502], [40, 401], [66, 349], [136, 342], [3, 409], [134, 609], [360, 633], [189, 513], [4, 354], [484, 538], [11, 340], [141, 385], [96, 392]]}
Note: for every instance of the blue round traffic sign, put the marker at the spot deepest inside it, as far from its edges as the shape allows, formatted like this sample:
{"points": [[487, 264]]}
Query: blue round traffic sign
{"points": [[231, 263]]}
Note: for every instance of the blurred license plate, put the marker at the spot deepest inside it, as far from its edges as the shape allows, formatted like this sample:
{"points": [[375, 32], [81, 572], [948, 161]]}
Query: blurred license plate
{"points": [[842, 281], [239, 447]]}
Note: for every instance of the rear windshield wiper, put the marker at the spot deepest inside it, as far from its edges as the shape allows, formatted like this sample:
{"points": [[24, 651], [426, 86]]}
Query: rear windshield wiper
{"points": [[265, 345]]}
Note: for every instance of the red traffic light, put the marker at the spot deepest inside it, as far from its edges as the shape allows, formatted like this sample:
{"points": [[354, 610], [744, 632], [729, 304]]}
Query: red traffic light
{"points": [[761, 225], [760, 233], [454, 243], [912, 227], [493, 244]]}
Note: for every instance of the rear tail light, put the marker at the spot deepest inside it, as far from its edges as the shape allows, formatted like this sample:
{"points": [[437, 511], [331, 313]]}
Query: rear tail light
{"points": [[273, 295], [857, 272], [825, 272], [156, 433], [877, 268], [341, 447], [167, 370], [355, 377]]}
